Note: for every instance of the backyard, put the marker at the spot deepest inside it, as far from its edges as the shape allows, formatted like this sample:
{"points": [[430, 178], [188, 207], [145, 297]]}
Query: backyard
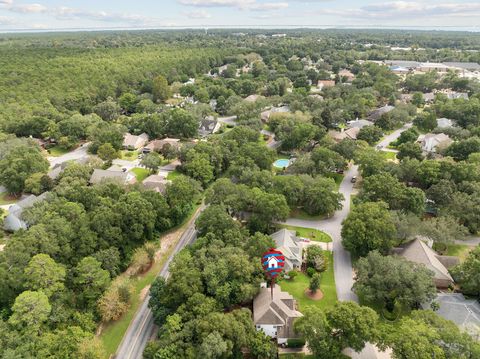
{"points": [[297, 286]]}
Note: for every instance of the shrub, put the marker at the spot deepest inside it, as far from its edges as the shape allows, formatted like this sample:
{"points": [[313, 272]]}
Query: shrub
{"points": [[295, 342], [311, 271]]}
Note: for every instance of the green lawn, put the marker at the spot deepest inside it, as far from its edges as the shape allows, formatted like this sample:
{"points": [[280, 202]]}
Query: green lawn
{"points": [[312, 234], [337, 177], [140, 173], [128, 155], [5, 198], [297, 286], [389, 155], [57, 151], [113, 332], [458, 250], [172, 175]]}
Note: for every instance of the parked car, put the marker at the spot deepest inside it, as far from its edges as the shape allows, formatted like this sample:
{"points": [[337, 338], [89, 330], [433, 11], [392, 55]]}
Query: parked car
{"points": [[354, 179]]}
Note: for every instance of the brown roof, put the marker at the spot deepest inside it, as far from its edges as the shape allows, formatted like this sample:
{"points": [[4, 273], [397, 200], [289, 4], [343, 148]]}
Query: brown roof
{"points": [[157, 145], [277, 311], [156, 183]]}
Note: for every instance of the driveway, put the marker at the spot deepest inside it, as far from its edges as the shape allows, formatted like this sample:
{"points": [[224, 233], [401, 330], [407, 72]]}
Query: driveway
{"points": [[230, 120], [129, 165], [333, 226], [385, 142], [76, 154]]}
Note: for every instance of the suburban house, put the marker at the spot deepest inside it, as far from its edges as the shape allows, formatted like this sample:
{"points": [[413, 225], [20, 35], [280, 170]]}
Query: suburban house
{"points": [[321, 84], [157, 145], [359, 124], [377, 113], [133, 142], [418, 251], [453, 95], [287, 242], [444, 122], [13, 221], [432, 142], [122, 177], [208, 126], [275, 316], [339, 136], [156, 183], [411, 65], [252, 98], [399, 70], [265, 115], [433, 66]]}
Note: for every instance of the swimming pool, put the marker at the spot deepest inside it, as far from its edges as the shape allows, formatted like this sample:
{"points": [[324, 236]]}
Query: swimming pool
{"points": [[281, 163]]}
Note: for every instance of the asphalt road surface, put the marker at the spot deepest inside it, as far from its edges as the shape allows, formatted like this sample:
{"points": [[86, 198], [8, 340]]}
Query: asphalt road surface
{"points": [[142, 328], [76, 154]]}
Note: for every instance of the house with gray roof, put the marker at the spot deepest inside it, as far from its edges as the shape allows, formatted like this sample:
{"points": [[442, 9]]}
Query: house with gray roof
{"points": [[418, 251], [156, 183], [157, 145], [471, 66], [359, 124], [275, 315], [208, 126], [14, 221], [432, 142], [377, 113], [121, 177], [287, 242], [444, 122]]}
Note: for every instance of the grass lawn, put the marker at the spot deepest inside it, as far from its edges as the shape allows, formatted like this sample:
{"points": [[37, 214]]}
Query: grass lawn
{"points": [[57, 151], [458, 250], [140, 173], [337, 177], [312, 234], [297, 286], [5, 198], [128, 155], [172, 175], [112, 334], [301, 214], [389, 155]]}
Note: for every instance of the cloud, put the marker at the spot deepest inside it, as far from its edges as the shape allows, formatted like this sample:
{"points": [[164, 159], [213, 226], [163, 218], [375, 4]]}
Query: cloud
{"points": [[199, 14], [215, 3], [67, 13], [8, 2], [267, 6], [5, 20], [239, 4], [28, 8]]}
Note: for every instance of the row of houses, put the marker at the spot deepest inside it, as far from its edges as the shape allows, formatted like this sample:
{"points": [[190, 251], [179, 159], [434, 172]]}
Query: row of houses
{"points": [[275, 314]]}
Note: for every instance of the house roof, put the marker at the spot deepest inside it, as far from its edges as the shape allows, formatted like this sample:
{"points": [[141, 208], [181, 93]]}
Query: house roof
{"points": [[13, 221], [99, 175], [377, 113], [252, 98], [417, 251], [287, 242], [444, 122], [134, 141], [326, 83], [157, 145], [156, 182], [359, 123], [403, 63], [431, 141], [274, 311], [207, 125]]}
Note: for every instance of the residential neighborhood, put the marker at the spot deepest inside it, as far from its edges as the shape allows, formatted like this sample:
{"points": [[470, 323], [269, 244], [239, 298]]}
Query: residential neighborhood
{"points": [[219, 193]]}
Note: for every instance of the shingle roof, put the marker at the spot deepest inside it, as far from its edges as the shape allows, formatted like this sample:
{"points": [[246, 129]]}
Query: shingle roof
{"points": [[155, 182], [274, 311], [418, 252], [286, 242], [99, 175], [463, 312], [133, 141]]}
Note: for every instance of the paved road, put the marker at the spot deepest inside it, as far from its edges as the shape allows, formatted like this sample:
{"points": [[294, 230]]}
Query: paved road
{"points": [[469, 241], [393, 136], [342, 263], [230, 120], [142, 328], [76, 154]]}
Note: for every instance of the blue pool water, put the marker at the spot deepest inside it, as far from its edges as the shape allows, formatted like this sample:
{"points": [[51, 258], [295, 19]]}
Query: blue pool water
{"points": [[281, 163]]}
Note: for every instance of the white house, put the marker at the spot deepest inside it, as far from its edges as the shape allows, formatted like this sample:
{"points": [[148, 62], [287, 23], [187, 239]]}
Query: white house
{"points": [[287, 242], [432, 142]]}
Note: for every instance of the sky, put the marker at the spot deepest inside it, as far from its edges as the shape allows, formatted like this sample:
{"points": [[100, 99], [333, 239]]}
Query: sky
{"points": [[111, 14]]}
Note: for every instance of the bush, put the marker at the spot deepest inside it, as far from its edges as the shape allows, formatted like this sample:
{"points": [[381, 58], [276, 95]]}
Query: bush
{"points": [[295, 342], [311, 271]]}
